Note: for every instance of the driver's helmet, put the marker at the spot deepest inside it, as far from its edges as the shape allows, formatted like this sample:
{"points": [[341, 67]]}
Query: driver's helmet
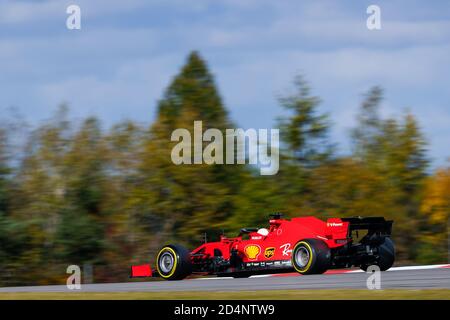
{"points": [[263, 231]]}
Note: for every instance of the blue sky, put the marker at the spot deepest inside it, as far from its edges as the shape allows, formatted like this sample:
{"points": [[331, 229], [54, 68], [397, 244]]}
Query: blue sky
{"points": [[126, 53]]}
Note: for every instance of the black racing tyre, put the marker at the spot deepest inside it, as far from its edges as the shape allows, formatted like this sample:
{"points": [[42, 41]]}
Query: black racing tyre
{"points": [[173, 262], [311, 256], [386, 256]]}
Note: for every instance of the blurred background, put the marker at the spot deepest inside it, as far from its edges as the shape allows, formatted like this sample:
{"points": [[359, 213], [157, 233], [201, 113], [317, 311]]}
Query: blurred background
{"points": [[86, 117]]}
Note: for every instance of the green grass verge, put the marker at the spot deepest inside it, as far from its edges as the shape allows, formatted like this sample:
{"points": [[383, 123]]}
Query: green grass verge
{"points": [[239, 295]]}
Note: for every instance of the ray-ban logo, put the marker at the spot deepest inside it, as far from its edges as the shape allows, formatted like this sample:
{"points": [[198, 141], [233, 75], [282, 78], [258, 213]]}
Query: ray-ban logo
{"points": [[240, 145]]}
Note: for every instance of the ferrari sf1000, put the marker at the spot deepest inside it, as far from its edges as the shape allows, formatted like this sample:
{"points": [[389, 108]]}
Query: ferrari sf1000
{"points": [[306, 245]]}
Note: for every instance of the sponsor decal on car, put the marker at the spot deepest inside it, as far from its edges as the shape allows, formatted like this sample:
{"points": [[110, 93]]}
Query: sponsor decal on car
{"points": [[286, 249], [256, 237], [269, 264], [269, 252], [334, 224], [252, 251]]}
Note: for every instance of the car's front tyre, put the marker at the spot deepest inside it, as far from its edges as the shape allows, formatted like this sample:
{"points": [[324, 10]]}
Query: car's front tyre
{"points": [[173, 262]]}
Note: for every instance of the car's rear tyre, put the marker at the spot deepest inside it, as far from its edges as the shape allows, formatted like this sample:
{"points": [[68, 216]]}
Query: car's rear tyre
{"points": [[311, 256], [173, 262], [386, 256]]}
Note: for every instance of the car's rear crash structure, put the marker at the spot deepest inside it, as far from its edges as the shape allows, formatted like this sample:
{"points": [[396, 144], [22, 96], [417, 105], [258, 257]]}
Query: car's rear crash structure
{"points": [[306, 244]]}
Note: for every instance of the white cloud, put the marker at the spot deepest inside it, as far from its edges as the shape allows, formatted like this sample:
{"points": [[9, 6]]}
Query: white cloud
{"points": [[15, 12], [20, 12], [119, 67], [134, 88]]}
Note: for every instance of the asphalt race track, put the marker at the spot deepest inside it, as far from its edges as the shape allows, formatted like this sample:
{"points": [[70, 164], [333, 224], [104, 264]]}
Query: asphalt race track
{"points": [[396, 278]]}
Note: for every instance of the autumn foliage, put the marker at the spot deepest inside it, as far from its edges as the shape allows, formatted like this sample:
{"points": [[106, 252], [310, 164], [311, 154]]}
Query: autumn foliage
{"points": [[75, 193]]}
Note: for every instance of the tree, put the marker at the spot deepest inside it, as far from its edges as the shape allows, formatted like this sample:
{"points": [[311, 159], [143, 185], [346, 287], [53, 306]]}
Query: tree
{"points": [[305, 146], [83, 219], [435, 209], [183, 201], [4, 221], [3, 173], [396, 152], [194, 91], [346, 187], [304, 132], [13, 236], [124, 144], [369, 124]]}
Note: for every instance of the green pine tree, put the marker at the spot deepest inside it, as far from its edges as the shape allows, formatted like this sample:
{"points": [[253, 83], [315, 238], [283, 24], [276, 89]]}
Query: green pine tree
{"points": [[305, 146], [395, 151], [305, 131], [186, 200]]}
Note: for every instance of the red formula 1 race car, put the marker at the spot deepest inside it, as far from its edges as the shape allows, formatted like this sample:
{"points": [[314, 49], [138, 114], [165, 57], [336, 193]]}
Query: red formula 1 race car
{"points": [[307, 245]]}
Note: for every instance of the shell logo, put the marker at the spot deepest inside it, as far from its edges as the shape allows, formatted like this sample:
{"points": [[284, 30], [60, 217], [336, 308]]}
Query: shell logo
{"points": [[252, 251]]}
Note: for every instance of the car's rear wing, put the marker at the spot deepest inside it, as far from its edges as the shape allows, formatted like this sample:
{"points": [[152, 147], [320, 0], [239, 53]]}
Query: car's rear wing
{"points": [[373, 225]]}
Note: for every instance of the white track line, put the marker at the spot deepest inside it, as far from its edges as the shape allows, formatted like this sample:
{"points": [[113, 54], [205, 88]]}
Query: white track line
{"points": [[435, 266], [404, 268], [214, 278]]}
